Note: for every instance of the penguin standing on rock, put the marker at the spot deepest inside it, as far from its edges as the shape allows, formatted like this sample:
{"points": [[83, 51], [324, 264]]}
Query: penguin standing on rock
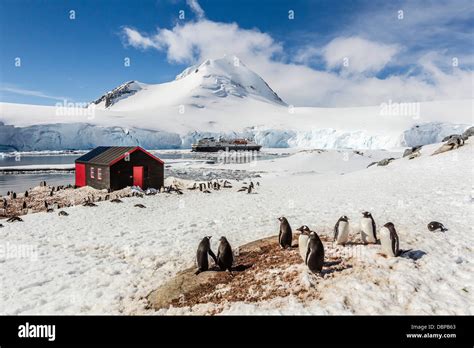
{"points": [[225, 257], [389, 240], [303, 240], [368, 228], [204, 249], [285, 236], [315, 253], [341, 230]]}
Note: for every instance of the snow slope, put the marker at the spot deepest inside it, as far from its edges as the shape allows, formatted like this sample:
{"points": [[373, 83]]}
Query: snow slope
{"points": [[107, 259], [220, 97]]}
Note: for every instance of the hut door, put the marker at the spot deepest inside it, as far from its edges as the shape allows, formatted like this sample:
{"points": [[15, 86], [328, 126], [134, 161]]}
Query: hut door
{"points": [[80, 174], [138, 176]]}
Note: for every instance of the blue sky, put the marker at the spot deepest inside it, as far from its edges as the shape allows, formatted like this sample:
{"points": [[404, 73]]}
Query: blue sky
{"points": [[301, 58]]}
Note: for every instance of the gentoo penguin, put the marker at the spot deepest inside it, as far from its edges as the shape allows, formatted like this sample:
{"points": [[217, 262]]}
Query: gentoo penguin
{"points": [[367, 228], [89, 204], [285, 236], [116, 200], [204, 249], [26, 193], [63, 213], [225, 257], [315, 253], [15, 219], [389, 240], [139, 205], [303, 240], [341, 230], [435, 225]]}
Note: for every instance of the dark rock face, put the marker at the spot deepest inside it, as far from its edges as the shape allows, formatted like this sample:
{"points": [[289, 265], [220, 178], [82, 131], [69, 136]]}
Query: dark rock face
{"points": [[371, 164], [408, 152], [115, 94], [468, 132], [448, 137], [385, 161]]}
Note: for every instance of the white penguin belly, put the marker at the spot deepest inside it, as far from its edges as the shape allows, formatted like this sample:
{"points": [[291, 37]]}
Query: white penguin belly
{"points": [[386, 242], [303, 245], [342, 232], [366, 230]]}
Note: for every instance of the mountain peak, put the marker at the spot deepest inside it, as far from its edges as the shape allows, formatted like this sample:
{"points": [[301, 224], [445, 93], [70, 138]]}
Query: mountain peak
{"points": [[199, 86], [228, 75]]}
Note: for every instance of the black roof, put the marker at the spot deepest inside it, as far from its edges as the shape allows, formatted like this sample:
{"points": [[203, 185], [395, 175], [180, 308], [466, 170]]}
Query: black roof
{"points": [[104, 155]]}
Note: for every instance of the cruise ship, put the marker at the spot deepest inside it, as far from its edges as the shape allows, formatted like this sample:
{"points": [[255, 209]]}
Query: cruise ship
{"points": [[213, 145]]}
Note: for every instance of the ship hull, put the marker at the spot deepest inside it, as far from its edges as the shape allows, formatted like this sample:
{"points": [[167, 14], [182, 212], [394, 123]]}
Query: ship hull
{"points": [[203, 148]]}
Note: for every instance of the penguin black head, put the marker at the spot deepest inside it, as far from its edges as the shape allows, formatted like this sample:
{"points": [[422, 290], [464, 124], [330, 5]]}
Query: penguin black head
{"points": [[344, 218], [366, 214], [282, 219], [223, 239], [304, 229], [390, 226], [313, 235]]}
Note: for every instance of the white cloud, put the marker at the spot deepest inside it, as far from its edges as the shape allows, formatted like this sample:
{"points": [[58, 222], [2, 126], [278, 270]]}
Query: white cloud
{"points": [[363, 56], [137, 40], [301, 85], [195, 41], [30, 92], [196, 8]]}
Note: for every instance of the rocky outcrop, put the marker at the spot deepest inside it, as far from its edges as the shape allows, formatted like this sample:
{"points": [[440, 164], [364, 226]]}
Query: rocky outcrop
{"points": [[410, 151], [385, 161], [262, 271], [468, 133], [453, 142], [127, 89]]}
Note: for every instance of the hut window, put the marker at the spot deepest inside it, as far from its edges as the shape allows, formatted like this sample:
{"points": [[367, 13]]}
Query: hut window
{"points": [[92, 172], [99, 173]]}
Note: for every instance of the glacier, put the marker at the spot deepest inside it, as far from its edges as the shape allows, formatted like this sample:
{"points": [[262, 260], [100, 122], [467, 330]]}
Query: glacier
{"points": [[84, 136]]}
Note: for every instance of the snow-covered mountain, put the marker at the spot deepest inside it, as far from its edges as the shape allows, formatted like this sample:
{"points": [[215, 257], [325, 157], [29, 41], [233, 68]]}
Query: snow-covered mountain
{"points": [[223, 97], [197, 86]]}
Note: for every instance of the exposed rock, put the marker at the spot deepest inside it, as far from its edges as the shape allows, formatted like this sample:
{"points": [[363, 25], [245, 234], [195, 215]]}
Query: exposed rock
{"points": [[468, 132], [371, 164], [262, 271], [412, 150], [385, 161], [454, 142], [126, 89]]}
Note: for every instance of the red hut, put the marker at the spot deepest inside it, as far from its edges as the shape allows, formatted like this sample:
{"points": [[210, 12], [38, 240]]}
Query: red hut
{"points": [[116, 167]]}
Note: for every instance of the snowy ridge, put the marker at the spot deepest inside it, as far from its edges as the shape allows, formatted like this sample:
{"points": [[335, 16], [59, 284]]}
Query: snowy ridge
{"points": [[121, 92], [222, 97]]}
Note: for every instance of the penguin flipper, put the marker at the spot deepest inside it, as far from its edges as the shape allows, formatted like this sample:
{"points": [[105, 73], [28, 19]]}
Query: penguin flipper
{"points": [[213, 256], [306, 258]]}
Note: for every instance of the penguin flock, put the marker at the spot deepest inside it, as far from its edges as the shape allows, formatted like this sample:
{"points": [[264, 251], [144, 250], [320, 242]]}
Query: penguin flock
{"points": [[311, 248]]}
